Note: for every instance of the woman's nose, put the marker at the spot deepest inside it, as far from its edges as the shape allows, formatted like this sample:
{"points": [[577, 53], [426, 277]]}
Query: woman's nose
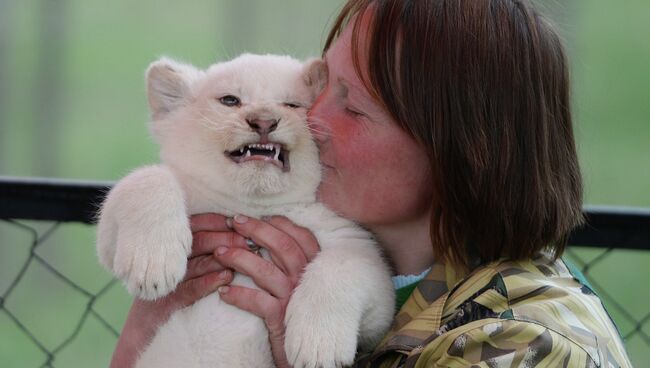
{"points": [[317, 120]]}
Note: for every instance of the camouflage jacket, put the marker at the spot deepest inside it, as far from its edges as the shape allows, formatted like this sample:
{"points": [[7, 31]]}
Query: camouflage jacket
{"points": [[505, 314]]}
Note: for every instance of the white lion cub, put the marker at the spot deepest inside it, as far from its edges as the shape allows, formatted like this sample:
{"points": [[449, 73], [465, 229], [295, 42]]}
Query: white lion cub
{"points": [[234, 140]]}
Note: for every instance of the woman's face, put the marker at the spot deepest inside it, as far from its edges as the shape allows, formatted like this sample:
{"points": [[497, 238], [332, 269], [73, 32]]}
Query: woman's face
{"points": [[373, 171]]}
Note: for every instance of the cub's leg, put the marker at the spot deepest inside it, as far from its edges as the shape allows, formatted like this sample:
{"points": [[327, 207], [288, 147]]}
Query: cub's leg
{"points": [[344, 298], [143, 234]]}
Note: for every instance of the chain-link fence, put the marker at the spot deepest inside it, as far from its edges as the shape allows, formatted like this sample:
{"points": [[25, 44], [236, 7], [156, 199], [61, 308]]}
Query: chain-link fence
{"points": [[40, 276], [59, 309]]}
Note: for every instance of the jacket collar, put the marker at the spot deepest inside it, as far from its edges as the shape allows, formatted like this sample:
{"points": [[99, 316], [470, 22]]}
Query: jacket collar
{"points": [[422, 308]]}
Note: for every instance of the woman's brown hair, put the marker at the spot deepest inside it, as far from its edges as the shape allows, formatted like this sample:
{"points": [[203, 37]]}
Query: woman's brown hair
{"points": [[483, 85]]}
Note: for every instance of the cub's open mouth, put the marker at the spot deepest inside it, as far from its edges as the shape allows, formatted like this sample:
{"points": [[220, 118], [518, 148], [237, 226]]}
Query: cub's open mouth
{"points": [[272, 153]]}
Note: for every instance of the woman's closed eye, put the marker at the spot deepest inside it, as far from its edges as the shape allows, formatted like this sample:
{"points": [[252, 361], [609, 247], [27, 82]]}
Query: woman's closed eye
{"points": [[354, 112]]}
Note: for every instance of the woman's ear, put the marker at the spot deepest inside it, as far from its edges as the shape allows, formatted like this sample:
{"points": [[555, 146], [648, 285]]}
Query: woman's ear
{"points": [[315, 75], [168, 85]]}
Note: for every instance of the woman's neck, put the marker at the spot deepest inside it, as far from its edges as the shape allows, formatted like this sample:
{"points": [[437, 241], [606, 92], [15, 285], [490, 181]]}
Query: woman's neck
{"points": [[407, 245]]}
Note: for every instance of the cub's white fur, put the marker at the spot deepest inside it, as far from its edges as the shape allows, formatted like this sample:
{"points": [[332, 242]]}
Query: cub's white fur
{"points": [[344, 298]]}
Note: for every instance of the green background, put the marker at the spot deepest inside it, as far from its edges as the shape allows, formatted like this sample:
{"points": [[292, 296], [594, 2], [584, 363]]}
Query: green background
{"points": [[72, 105]]}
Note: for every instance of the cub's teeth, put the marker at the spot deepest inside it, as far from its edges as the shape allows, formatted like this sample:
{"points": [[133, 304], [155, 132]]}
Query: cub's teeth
{"points": [[248, 153], [241, 150], [277, 154]]}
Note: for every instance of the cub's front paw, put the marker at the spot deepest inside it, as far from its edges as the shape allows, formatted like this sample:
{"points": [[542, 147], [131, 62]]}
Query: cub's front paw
{"points": [[320, 336], [152, 262]]}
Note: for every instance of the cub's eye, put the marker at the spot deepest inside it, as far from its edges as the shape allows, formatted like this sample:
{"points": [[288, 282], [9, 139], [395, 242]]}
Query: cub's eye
{"points": [[230, 100], [292, 105]]}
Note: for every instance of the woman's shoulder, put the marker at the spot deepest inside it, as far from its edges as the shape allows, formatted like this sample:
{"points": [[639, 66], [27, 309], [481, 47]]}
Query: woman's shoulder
{"points": [[511, 313], [545, 300], [504, 343]]}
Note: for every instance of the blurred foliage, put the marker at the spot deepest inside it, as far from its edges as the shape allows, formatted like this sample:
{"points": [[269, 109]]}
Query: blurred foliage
{"points": [[97, 128], [90, 122], [72, 105]]}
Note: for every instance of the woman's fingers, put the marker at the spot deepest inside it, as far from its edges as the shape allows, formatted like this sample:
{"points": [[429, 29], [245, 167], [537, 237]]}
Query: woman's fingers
{"points": [[201, 265], [257, 302], [211, 230], [264, 273], [290, 246], [191, 290], [303, 237], [208, 222], [205, 242], [283, 248]]}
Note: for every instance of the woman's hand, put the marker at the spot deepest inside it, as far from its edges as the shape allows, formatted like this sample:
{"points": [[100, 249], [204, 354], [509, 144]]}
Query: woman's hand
{"points": [[204, 275], [291, 247]]}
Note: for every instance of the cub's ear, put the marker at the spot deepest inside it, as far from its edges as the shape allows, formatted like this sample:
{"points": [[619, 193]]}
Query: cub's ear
{"points": [[315, 75], [168, 85]]}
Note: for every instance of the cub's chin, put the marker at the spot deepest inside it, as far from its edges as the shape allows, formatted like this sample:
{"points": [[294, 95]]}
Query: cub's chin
{"points": [[262, 169], [261, 178]]}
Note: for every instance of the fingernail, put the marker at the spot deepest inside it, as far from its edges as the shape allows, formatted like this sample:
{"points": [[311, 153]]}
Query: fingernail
{"points": [[222, 250], [223, 289], [229, 222], [241, 219], [224, 275]]}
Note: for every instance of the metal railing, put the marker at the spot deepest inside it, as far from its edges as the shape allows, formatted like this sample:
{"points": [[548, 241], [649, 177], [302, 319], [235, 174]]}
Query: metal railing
{"points": [[34, 210]]}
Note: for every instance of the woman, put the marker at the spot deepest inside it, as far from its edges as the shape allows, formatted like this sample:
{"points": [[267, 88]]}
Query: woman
{"points": [[445, 129]]}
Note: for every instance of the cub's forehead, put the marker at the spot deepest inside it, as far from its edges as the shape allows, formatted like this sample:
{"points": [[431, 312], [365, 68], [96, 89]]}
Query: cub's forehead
{"points": [[256, 76]]}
